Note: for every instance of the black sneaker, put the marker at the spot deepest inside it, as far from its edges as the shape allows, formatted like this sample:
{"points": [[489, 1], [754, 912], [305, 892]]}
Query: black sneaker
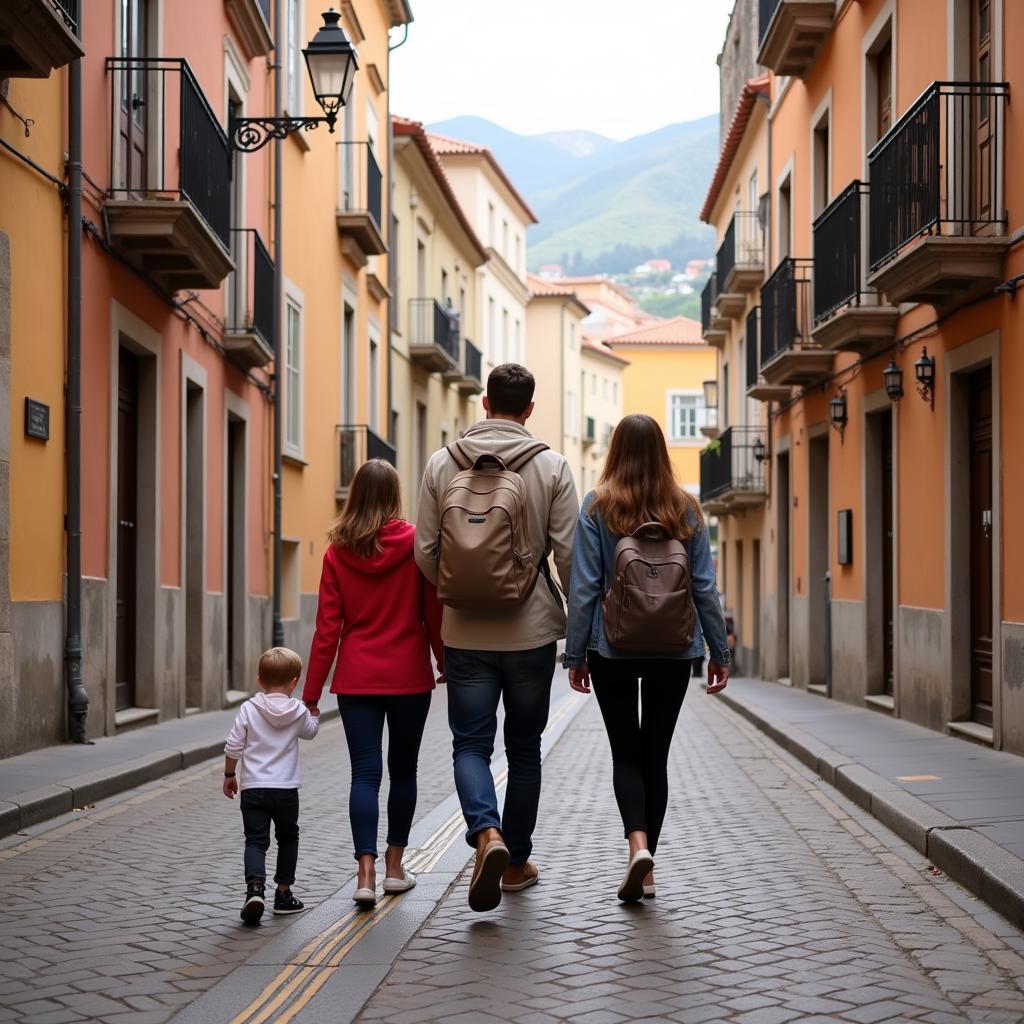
{"points": [[252, 911], [286, 903]]}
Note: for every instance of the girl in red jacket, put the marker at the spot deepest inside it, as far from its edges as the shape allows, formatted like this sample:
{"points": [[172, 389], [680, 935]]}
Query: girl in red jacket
{"points": [[377, 620]]}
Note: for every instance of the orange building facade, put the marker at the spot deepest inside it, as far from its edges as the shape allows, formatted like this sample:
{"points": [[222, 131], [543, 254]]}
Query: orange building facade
{"points": [[866, 478]]}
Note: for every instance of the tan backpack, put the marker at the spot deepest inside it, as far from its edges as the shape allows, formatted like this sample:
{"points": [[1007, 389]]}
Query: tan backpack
{"points": [[483, 541], [649, 606]]}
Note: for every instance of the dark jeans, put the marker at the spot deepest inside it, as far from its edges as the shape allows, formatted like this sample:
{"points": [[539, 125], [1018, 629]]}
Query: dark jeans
{"points": [[363, 716], [477, 680], [640, 740], [260, 807]]}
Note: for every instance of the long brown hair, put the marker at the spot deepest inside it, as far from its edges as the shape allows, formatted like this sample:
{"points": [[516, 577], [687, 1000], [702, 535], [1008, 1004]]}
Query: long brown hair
{"points": [[374, 498], [638, 485]]}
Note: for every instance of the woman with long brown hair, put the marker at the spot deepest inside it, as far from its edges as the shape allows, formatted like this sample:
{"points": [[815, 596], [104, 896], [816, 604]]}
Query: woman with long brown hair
{"points": [[640, 517], [377, 621]]}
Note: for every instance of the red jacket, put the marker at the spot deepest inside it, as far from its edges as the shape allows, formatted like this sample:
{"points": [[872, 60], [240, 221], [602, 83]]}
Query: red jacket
{"points": [[379, 616]]}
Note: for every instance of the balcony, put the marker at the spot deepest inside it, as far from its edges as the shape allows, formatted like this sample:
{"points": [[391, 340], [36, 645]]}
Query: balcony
{"points": [[740, 257], [37, 36], [168, 210], [714, 331], [359, 204], [792, 32], [756, 387], [472, 382], [433, 336], [709, 422], [848, 315], [589, 430], [251, 20], [938, 221], [731, 478], [249, 337], [789, 356], [357, 445]]}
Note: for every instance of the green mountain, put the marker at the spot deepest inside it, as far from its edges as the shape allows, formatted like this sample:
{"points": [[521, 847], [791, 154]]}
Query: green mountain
{"points": [[606, 206]]}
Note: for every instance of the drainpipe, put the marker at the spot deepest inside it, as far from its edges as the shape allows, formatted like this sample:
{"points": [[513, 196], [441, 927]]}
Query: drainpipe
{"points": [[78, 699], [277, 629]]}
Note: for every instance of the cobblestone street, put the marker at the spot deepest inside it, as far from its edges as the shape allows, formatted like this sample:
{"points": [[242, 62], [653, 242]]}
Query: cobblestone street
{"points": [[778, 900]]}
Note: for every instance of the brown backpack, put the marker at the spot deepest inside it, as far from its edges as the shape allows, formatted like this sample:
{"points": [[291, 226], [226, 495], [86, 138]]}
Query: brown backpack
{"points": [[483, 541], [649, 606]]}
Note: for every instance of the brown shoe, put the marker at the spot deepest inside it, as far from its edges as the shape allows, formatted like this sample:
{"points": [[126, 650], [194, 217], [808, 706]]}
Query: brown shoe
{"points": [[491, 862], [520, 877]]}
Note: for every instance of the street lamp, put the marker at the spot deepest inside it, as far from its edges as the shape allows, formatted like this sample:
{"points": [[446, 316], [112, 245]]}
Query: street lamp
{"points": [[332, 63], [837, 411], [893, 377], [760, 452], [924, 371]]}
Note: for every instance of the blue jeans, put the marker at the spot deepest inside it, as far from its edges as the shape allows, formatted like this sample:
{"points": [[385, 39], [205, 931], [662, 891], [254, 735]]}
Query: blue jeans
{"points": [[363, 716], [477, 680]]}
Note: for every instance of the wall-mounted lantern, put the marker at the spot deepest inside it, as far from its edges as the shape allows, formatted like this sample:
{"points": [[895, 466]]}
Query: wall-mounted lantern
{"points": [[760, 451], [924, 371], [837, 411], [332, 62], [710, 394], [893, 376]]}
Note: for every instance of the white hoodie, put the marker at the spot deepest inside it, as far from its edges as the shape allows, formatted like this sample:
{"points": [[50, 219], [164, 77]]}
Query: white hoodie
{"points": [[265, 737]]}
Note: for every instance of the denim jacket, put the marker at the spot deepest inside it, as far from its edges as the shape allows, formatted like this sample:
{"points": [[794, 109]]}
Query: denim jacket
{"points": [[592, 557]]}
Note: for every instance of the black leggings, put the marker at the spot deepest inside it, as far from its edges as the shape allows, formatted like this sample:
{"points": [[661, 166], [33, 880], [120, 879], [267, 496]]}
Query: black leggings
{"points": [[640, 741]]}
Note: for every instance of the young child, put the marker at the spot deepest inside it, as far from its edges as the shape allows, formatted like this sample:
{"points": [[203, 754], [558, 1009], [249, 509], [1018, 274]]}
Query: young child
{"points": [[265, 737]]}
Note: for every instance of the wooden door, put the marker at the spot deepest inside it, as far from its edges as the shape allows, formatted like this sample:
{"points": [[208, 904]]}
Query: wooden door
{"points": [[235, 543], [127, 509], [134, 95], [888, 599], [883, 97], [981, 114], [980, 528]]}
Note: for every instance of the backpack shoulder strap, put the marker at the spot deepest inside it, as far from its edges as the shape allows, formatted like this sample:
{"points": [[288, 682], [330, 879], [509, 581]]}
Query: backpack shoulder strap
{"points": [[460, 458], [526, 454]]}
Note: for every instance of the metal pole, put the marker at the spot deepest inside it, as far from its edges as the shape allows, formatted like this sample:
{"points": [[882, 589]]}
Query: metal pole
{"points": [[279, 83], [78, 698]]}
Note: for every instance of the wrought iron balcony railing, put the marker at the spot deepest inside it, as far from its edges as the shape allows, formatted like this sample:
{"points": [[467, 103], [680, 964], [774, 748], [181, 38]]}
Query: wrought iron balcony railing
{"points": [[162, 149], [742, 248], [474, 361], [361, 180], [358, 444], [838, 267], [728, 467], [431, 326], [251, 296], [69, 11], [940, 169], [707, 302], [753, 363], [786, 310]]}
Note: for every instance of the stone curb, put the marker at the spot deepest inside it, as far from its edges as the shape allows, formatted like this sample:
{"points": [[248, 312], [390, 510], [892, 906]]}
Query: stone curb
{"points": [[968, 857], [22, 810]]}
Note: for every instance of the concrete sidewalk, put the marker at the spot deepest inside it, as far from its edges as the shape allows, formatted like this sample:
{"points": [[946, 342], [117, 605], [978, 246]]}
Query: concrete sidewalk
{"points": [[958, 803], [55, 780]]}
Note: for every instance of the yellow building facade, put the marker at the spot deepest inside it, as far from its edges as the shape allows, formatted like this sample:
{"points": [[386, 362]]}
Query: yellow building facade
{"points": [[668, 363], [335, 313], [436, 365]]}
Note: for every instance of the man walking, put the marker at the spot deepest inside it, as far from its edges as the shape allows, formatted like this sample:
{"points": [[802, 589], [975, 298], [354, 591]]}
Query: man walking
{"points": [[499, 646]]}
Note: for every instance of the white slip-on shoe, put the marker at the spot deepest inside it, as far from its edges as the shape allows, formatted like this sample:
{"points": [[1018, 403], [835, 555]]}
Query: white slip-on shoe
{"points": [[365, 897], [394, 886], [632, 888], [650, 891]]}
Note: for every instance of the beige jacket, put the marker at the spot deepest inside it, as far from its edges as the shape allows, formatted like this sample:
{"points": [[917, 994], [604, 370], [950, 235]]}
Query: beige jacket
{"points": [[553, 512]]}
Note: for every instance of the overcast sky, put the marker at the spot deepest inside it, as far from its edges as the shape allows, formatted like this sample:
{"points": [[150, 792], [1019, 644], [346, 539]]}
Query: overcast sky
{"points": [[543, 65]]}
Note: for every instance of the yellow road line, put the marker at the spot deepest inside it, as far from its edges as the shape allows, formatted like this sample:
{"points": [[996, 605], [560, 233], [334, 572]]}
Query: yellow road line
{"points": [[335, 942]]}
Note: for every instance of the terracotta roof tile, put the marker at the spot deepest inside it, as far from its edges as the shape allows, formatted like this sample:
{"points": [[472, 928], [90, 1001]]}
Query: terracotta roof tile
{"points": [[599, 348], [741, 118], [680, 330], [541, 288], [446, 146]]}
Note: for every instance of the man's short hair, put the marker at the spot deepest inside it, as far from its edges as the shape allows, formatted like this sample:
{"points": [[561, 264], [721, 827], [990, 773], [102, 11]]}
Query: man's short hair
{"points": [[510, 389], [279, 666]]}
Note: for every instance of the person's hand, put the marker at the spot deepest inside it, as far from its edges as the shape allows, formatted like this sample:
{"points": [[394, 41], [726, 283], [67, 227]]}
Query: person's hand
{"points": [[718, 677], [579, 678], [230, 788], [442, 679], [314, 710]]}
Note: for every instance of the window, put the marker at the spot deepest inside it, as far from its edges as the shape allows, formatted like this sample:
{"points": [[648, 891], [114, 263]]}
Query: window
{"points": [[290, 574], [572, 337], [785, 208], [294, 57], [444, 286], [682, 425], [821, 155], [348, 365], [615, 391], [421, 440], [504, 238], [604, 387], [374, 383], [504, 336], [519, 343], [519, 253], [490, 225], [593, 383], [293, 379], [492, 336]]}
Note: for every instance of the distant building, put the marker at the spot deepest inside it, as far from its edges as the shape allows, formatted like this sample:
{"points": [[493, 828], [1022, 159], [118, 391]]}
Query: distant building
{"points": [[550, 271], [658, 266]]}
